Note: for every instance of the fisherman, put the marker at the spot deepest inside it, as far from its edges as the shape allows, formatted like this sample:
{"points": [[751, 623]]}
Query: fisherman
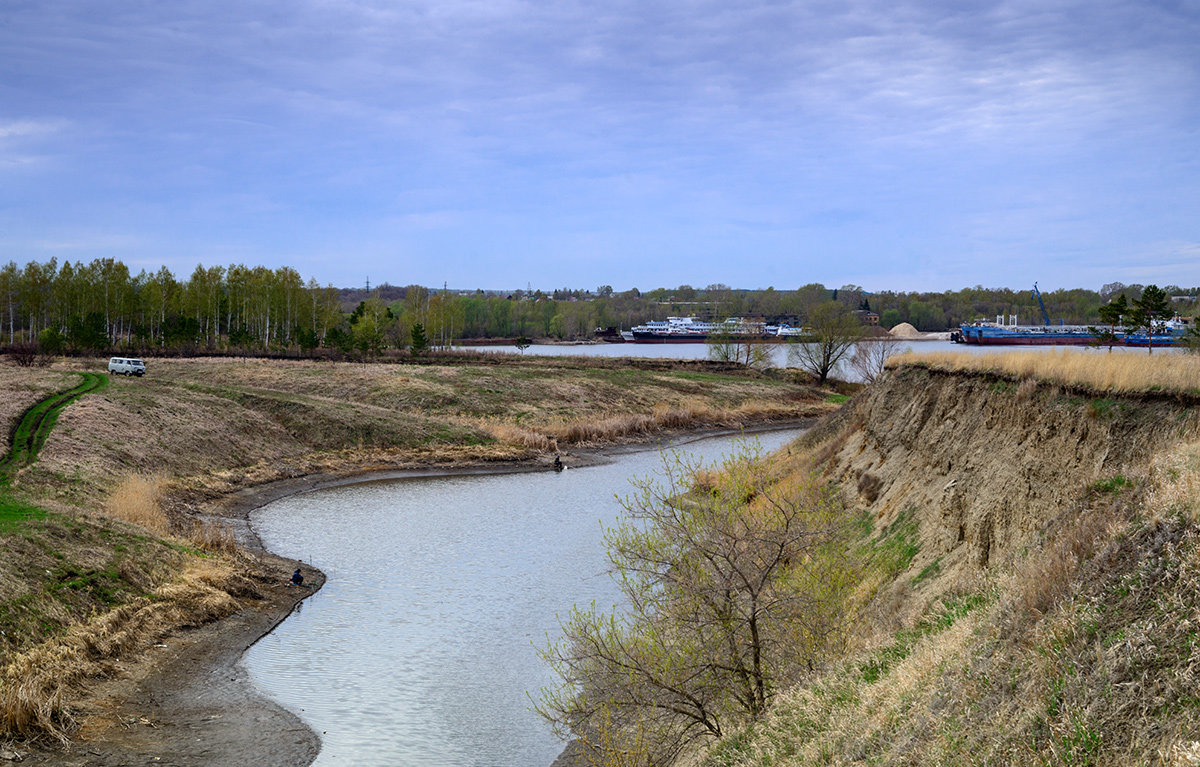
{"points": [[297, 578], [558, 464]]}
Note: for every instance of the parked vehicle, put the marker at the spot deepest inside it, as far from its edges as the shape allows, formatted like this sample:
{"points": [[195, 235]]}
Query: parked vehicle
{"points": [[126, 366]]}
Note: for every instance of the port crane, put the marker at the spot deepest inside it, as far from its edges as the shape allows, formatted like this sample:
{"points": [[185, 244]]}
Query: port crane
{"points": [[1038, 295]]}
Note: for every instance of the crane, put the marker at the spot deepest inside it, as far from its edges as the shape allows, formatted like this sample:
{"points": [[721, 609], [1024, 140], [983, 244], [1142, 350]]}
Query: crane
{"points": [[1038, 295]]}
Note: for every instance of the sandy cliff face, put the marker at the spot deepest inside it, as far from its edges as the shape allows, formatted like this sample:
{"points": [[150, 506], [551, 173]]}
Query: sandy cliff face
{"points": [[983, 463]]}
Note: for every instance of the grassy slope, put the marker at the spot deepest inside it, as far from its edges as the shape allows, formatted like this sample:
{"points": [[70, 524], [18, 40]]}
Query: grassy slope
{"points": [[21, 389], [209, 419], [1084, 649]]}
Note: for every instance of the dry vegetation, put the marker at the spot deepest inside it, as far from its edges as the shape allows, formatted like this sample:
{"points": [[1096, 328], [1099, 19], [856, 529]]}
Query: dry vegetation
{"points": [[36, 685], [1079, 647], [201, 418], [1123, 372]]}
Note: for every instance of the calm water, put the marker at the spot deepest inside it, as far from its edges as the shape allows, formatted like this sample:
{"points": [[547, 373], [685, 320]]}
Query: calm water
{"points": [[420, 648], [700, 351]]}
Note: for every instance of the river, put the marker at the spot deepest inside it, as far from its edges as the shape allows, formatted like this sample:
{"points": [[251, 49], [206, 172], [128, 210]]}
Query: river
{"points": [[778, 355], [420, 649]]}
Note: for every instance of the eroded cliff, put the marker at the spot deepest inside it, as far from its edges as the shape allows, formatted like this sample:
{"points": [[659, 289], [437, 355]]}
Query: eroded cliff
{"points": [[985, 462]]}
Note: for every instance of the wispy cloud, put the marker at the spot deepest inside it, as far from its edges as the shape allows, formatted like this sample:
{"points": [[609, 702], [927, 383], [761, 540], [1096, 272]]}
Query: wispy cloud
{"points": [[886, 131]]}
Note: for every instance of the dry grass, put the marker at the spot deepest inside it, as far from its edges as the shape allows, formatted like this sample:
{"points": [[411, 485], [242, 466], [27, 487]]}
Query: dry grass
{"points": [[1120, 373], [37, 685], [513, 434], [1175, 484], [1051, 574], [213, 535], [673, 417], [137, 500]]}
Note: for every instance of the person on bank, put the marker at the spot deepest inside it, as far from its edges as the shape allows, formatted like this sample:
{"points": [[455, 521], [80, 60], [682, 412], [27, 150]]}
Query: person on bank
{"points": [[297, 578]]}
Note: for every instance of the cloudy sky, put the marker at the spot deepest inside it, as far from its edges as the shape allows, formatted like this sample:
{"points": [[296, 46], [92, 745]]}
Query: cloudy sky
{"points": [[499, 143]]}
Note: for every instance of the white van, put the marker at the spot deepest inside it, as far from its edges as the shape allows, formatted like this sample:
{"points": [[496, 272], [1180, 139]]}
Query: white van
{"points": [[126, 366]]}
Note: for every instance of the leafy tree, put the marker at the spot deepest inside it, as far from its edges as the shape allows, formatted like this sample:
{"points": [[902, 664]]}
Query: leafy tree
{"points": [[339, 338], [522, 343], [734, 586], [832, 333], [1191, 341], [240, 337], [307, 339], [1111, 314], [179, 331], [890, 318], [1153, 305], [51, 341], [90, 332]]}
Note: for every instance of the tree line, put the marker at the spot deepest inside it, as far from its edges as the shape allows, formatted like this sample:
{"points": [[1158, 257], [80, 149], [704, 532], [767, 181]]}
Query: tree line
{"points": [[104, 305]]}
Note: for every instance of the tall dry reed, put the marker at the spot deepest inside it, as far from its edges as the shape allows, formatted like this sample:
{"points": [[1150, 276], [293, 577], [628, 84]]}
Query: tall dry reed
{"points": [[667, 417], [512, 434], [1118, 372], [213, 535], [137, 500], [1175, 483]]}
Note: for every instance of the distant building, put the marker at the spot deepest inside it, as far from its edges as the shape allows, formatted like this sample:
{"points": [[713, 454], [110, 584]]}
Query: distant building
{"points": [[867, 317]]}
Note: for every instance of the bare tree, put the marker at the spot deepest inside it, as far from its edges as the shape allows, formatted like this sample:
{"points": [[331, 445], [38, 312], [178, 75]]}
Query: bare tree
{"points": [[739, 349], [733, 585], [870, 356]]}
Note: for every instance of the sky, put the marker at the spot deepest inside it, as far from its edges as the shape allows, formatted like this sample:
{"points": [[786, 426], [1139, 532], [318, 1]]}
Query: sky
{"points": [[503, 143]]}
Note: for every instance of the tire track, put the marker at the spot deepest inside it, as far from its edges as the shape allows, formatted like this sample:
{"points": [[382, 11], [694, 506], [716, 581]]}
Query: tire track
{"points": [[37, 423]]}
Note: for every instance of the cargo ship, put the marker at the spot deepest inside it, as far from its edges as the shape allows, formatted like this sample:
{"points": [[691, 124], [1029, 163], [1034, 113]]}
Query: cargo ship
{"points": [[1006, 332], [1168, 333]]}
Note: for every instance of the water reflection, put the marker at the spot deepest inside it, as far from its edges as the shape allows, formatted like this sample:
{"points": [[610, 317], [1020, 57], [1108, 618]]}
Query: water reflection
{"points": [[420, 649]]}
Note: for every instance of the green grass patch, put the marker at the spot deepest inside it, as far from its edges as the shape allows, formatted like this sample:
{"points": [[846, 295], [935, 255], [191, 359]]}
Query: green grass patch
{"points": [[897, 544], [929, 571], [1100, 408], [14, 514], [1114, 484], [837, 398], [941, 618]]}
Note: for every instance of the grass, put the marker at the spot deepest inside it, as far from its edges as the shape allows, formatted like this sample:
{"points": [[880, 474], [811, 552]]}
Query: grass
{"points": [[196, 419], [31, 431], [1077, 645], [14, 514], [1082, 652], [897, 545], [1125, 373], [38, 684]]}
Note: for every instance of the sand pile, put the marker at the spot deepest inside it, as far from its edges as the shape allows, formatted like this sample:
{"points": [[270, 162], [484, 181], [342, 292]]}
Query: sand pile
{"points": [[905, 330]]}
